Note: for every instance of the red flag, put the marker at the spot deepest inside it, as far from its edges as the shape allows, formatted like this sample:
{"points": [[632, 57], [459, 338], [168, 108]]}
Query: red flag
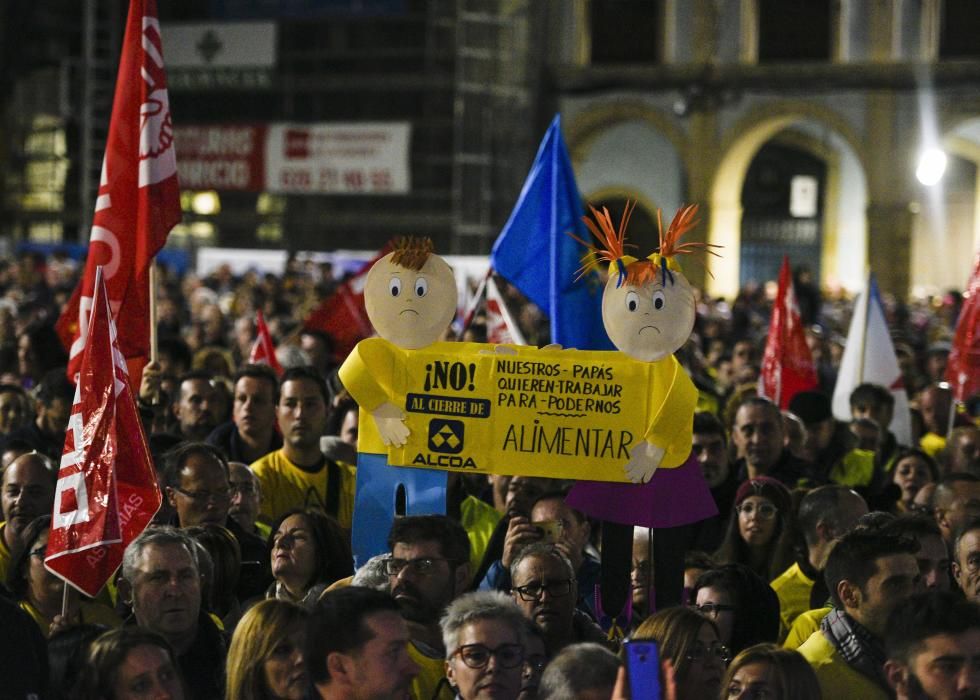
{"points": [[787, 365], [107, 490], [263, 351], [139, 198], [963, 367], [342, 315]]}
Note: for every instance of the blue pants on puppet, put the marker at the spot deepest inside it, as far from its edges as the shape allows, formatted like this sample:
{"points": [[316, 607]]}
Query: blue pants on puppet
{"points": [[374, 501]]}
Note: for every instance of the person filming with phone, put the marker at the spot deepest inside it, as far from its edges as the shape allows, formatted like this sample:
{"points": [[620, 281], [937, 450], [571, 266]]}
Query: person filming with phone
{"points": [[551, 522]]}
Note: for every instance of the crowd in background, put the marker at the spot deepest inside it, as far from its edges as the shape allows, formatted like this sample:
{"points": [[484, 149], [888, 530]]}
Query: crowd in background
{"points": [[842, 563]]}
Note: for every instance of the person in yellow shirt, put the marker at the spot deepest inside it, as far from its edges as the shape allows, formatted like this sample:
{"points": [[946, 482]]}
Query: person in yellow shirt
{"points": [[298, 475], [868, 574], [824, 514]]}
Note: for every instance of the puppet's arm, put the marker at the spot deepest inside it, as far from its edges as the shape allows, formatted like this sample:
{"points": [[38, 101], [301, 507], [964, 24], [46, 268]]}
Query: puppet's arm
{"points": [[366, 373], [667, 442]]}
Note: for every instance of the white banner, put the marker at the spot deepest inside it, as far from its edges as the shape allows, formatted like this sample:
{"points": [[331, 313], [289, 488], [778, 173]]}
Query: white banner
{"points": [[356, 158]]}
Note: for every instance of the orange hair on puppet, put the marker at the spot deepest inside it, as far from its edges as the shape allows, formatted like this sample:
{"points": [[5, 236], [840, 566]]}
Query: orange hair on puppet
{"points": [[411, 252], [612, 246]]}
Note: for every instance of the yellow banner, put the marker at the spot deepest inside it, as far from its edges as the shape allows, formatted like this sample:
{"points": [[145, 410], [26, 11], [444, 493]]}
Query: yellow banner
{"points": [[556, 413]]}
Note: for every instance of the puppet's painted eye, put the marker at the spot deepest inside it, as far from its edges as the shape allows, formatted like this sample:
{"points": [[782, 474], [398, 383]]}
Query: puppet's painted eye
{"points": [[632, 301], [659, 300], [421, 286], [395, 286]]}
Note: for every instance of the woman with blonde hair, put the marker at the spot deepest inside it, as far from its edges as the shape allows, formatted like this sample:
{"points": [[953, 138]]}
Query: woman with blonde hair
{"points": [[769, 671], [265, 659], [691, 643]]}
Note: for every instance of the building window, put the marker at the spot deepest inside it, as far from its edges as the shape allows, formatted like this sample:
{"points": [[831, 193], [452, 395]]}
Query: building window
{"points": [[626, 31], [794, 30], [959, 29]]}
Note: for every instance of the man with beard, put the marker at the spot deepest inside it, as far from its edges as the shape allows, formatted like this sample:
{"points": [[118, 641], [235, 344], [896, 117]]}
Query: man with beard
{"points": [[867, 574], [544, 587], [356, 647], [28, 492], [298, 475], [933, 644], [429, 567]]}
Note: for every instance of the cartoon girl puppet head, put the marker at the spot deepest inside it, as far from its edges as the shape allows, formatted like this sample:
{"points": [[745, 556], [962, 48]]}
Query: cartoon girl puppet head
{"points": [[648, 306], [410, 294]]}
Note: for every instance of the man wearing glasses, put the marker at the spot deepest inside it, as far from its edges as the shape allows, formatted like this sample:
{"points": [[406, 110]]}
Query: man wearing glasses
{"points": [[429, 568], [544, 589], [484, 636], [198, 489]]}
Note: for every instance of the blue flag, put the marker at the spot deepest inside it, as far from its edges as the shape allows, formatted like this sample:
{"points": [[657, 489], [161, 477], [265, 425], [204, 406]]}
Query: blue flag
{"points": [[534, 253]]}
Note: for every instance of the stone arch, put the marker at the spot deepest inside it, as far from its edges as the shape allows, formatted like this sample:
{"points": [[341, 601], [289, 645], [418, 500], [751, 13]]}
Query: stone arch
{"points": [[739, 145]]}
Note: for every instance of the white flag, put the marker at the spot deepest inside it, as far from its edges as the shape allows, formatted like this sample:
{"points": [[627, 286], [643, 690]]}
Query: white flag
{"points": [[501, 328], [869, 357]]}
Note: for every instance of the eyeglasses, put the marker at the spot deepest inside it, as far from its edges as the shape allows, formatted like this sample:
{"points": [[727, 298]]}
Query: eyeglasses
{"points": [[699, 651], [478, 656], [205, 496], [534, 591], [423, 566], [712, 610], [766, 511], [246, 489]]}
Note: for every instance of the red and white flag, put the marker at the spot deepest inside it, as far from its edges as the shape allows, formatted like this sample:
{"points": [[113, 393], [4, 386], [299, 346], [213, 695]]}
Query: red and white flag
{"points": [[263, 351], [107, 490], [342, 315], [787, 364], [139, 197], [963, 367], [501, 327]]}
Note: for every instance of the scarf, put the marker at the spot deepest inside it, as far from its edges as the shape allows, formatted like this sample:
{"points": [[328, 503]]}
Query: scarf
{"points": [[856, 645]]}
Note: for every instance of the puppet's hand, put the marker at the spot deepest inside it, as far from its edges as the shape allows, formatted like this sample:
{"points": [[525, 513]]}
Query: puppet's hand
{"points": [[499, 350], [644, 460], [391, 424]]}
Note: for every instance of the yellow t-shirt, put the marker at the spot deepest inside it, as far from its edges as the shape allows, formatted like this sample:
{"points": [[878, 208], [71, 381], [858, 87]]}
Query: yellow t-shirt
{"points": [[432, 671], [285, 486], [793, 589], [837, 679], [804, 625], [932, 444], [479, 520], [91, 613]]}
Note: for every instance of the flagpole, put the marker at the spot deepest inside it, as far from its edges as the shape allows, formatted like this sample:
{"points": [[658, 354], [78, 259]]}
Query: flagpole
{"points": [[153, 310], [864, 335]]}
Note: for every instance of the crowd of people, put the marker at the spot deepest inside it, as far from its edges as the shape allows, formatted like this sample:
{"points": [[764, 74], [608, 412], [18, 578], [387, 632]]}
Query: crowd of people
{"points": [[841, 564]]}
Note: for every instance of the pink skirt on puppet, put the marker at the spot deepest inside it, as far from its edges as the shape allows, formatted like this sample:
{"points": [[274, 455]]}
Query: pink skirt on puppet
{"points": [[673, 497]]}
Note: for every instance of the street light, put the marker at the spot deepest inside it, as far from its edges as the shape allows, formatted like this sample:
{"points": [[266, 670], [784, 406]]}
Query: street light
{"points": [[932, 165]]}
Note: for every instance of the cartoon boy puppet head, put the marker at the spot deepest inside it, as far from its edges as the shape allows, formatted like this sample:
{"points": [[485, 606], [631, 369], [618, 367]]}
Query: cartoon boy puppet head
{"points": [[648, 305], [410, 297]]}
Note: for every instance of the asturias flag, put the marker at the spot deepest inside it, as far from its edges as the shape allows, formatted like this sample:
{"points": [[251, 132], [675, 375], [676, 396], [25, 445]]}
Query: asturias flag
{"points": [[534, 254], [107, 490], [787, 364], [139, 198]]}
